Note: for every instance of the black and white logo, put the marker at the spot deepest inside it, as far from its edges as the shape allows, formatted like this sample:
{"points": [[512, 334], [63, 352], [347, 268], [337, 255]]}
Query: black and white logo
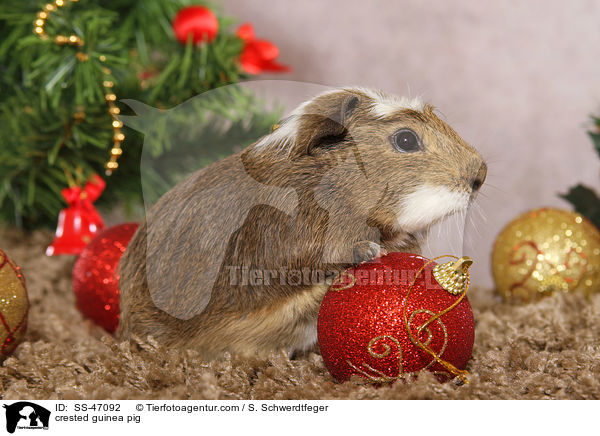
{"points": [[26, 415]]}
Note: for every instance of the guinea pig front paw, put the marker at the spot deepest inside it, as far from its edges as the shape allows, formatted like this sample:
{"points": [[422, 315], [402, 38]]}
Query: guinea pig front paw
{"points": [[365, 251]]}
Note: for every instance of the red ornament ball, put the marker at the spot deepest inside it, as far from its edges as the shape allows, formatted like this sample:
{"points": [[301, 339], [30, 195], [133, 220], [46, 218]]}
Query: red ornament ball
{"points": [[198, 21], [95, 281], [362, 321]]}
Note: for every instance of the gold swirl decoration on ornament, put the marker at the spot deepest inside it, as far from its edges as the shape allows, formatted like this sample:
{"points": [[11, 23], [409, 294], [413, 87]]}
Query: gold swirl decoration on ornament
{"points": [[380, 376], [425, 327], [338, 285], [545, 251], [461, 264]]}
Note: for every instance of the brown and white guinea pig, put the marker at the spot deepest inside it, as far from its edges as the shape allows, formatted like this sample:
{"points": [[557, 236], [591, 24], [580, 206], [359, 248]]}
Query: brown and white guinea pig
{"points": [[348, 175]]}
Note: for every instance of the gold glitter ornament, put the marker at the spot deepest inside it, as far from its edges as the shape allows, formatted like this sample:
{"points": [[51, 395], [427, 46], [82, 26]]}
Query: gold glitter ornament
{"points": [[546, 250], [14, 305]]}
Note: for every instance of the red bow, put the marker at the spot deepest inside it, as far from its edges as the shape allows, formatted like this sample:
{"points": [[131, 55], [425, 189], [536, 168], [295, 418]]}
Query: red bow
{"points": [[258, 55], [78, 223]]}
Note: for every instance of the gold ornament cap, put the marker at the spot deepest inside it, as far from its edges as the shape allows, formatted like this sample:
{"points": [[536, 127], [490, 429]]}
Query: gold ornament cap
{"points": [[453, 276]]}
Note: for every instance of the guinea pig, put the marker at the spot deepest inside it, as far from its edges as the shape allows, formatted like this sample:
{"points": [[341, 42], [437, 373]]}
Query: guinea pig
{"points": [[349, 175]]}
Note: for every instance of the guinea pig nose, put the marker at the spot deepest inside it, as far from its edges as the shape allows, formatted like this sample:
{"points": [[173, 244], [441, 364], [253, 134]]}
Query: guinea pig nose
{"points": [[479, 178]]}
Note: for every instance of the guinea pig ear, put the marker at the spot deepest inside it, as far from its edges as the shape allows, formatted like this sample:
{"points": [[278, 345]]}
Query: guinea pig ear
{"points": [[324, 132]]}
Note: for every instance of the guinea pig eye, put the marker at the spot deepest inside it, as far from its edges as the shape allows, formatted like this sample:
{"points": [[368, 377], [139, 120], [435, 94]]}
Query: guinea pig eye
{"points": [[406, 141]]}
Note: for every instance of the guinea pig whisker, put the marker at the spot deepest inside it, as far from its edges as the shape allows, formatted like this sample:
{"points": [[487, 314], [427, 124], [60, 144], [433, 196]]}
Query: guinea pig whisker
{"points": [[483, 194], [457, 223], [493, 160], [474, 225], [489, 185], [428, 239], [481, 212]]}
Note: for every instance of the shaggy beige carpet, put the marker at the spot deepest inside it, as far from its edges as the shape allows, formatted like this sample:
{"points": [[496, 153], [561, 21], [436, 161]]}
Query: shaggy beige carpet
{"points": [[549, 349]]}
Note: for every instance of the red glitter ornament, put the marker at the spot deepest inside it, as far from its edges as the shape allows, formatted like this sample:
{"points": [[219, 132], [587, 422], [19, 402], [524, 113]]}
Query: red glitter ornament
{"points": [[363, 320], [198, 21], [95, 282]]}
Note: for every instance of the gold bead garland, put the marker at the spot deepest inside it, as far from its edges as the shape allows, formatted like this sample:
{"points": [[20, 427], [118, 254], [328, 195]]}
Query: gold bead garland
{"points": [[40, 22], [74, 40], [118, 137]]}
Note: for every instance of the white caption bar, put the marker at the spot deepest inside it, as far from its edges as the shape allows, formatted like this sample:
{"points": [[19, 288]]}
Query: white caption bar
{"points": [[293, 417]]}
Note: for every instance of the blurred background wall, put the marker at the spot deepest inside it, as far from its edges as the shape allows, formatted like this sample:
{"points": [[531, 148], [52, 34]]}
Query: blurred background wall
{"points": [[516, 79]]}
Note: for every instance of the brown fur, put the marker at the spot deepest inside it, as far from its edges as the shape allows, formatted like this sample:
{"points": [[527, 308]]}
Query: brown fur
{"points": [[340, 157]]}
